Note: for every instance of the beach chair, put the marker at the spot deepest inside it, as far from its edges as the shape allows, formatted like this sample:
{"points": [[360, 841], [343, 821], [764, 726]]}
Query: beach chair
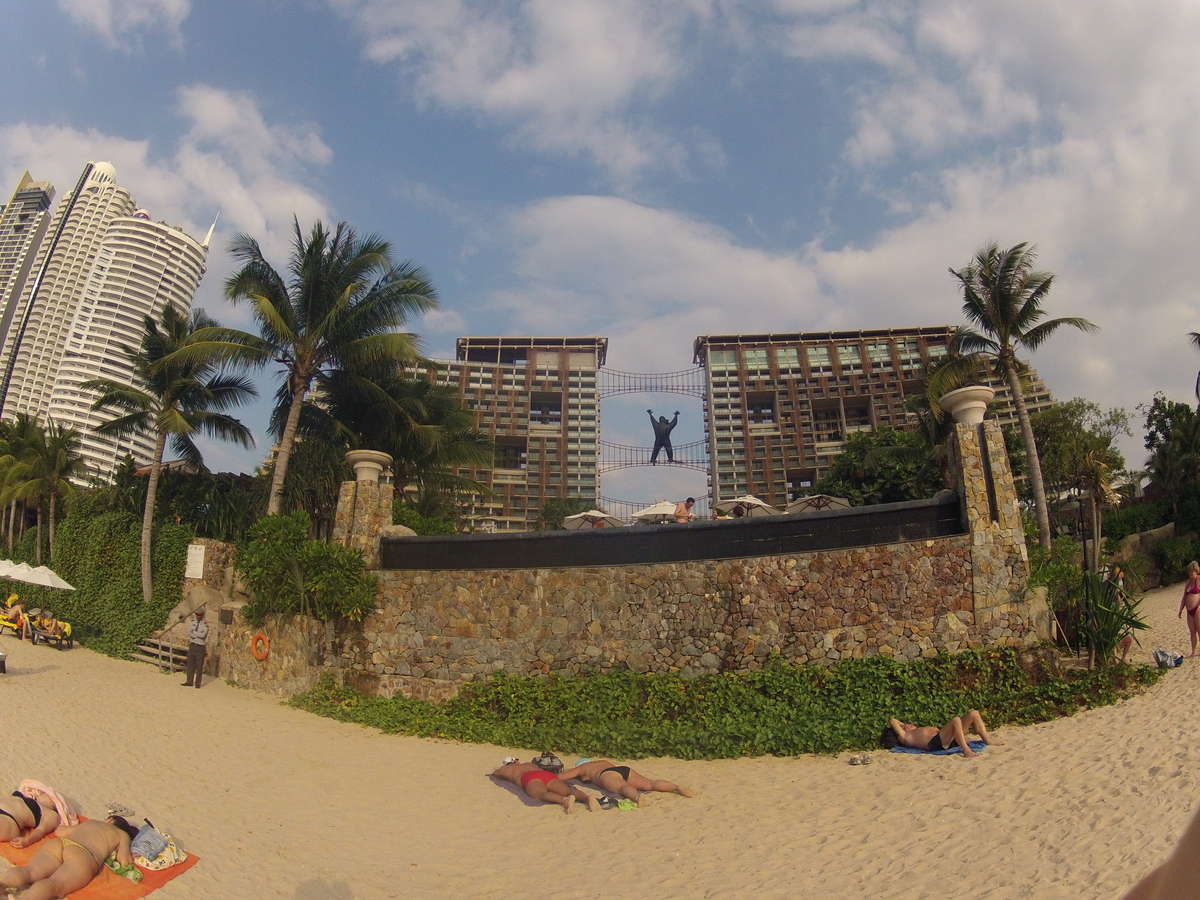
{"points": [[38, 635], [16, 627]]}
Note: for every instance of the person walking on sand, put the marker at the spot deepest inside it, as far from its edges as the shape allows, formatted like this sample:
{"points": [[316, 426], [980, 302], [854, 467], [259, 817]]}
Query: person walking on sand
{"points": [[67, 863], [542, 785], [197, 646], [1191, 602], [934, 739], [621, 780]]}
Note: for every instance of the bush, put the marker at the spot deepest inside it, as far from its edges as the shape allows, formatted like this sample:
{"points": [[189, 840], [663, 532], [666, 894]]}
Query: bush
{"points": [[403, 514], [291, 575], [1173, 555], [783, 709], [1127, 520], [99, 553]]}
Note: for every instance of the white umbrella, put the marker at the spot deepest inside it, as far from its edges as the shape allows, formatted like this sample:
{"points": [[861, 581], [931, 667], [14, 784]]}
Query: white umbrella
{"points": [[6, 566], [593, 518], [746, 506], [816, 503], [662, 511], [41, 576]]}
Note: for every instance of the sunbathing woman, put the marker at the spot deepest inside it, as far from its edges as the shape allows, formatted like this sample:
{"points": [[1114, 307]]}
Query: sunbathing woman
{"points": [[934, 739], [21, 813], [621, 780], [542, 785], [66, 864], [1191, 602]]}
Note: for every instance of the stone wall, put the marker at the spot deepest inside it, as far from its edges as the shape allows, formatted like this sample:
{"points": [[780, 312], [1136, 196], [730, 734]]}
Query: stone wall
{"points": [[435, 630]]}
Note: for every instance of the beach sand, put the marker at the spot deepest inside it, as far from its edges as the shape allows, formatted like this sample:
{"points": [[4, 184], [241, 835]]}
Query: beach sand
{"points": [[283, 804]]}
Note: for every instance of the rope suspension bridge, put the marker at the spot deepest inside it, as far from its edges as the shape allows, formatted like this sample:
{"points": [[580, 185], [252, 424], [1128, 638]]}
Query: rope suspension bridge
{"points": [[612, 383], [620, 456]]}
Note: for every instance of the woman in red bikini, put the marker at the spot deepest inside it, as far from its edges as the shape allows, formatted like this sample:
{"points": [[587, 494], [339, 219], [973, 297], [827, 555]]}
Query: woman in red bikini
{"points": [[542, 785], [1191, 602]]}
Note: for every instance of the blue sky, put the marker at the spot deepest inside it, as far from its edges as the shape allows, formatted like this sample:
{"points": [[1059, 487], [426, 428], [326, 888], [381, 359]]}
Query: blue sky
{"points": [[653, 171]]}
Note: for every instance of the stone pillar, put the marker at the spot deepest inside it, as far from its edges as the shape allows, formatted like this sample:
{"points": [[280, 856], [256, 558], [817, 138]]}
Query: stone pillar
{"points": [[983, 478], [364, 505]]}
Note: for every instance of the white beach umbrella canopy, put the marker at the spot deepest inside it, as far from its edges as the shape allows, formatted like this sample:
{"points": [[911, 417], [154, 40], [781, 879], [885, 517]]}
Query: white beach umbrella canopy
{"points": [[662, 511], [749, 505], [592, 518], [815, 503]]}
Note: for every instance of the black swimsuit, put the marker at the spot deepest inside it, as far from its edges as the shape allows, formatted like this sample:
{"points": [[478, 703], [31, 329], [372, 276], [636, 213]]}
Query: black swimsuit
{"points": [[623, 771], [935, 744], [35, 810]]}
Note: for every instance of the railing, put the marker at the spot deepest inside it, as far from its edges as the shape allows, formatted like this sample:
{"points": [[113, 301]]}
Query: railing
{"points": [[867, 526]]}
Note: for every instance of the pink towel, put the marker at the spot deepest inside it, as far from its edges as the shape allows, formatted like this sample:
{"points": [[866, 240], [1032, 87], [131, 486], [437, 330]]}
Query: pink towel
{"points": [[31, 789]]}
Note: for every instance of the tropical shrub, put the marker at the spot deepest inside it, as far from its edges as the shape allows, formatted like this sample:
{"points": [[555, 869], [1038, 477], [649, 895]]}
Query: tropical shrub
{"points": [[1105, 615], [782, 709], [292, 575], [1173, 555], [403, 514], [1124, 521]]}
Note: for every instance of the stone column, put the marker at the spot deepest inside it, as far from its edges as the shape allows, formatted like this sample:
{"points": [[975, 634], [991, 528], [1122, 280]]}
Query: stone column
{"points": [[364, 505], [983, 478]]}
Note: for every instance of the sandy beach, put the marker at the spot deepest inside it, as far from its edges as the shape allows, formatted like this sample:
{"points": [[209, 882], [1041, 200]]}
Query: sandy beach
{"points": [[283, 804]]}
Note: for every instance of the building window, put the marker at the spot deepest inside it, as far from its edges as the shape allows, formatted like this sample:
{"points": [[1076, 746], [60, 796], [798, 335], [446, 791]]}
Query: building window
{"points": [[880, 356], [849, 359], [722, 360], [755, 359], [819, 362], [787, 357], [910, 355]]}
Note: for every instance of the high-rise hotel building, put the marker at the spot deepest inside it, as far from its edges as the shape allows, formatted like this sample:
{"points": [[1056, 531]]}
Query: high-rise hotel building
{"points": [[101, 266], [779, 407], [536, 398], [23, 223]]}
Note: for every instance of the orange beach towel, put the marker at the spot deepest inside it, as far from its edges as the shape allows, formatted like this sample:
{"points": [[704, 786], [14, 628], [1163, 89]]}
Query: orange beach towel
{"points": [[108, 885]]}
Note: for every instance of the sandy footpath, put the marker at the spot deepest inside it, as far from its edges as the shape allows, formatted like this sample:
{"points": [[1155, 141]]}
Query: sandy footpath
{"points": [[281, 803]]}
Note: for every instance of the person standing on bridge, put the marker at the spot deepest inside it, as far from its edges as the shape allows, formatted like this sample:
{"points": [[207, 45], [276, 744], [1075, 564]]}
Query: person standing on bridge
{"points": [[662, 436]]}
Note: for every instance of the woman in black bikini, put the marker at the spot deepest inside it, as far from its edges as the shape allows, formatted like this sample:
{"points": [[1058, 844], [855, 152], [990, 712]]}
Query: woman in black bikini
{"points": [[621, 780], [1191, 602], [934, 739], [20, 814]]}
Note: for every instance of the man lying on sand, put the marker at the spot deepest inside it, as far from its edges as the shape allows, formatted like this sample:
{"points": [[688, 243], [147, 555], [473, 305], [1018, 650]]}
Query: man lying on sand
{"points": [[621, 780], [934, 739], [542, 785], [66, 864]]}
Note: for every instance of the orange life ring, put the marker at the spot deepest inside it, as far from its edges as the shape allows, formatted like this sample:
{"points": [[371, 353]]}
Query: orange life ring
{"points": [[260, 655]]}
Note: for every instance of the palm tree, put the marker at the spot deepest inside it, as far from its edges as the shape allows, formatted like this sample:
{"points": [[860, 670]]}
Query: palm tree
{"points": [[1002, 300], [22, 435], [181, 389], [338, 310], [1094, 478], [44, 472], [1194, 337]]}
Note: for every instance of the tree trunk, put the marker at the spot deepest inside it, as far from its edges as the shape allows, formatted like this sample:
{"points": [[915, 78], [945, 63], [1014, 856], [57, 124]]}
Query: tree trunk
{"points": [[1041, 509], [285, 450], [12, 524], [160, 441], [39, 534], [52, 505], [1096, 524]]}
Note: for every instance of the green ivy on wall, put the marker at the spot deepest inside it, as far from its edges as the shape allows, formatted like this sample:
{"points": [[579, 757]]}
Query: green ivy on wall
{"points": [[99, 554]]}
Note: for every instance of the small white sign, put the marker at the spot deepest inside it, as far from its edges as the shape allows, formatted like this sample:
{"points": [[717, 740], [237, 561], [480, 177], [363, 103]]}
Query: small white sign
{"points": [[195, 563]]}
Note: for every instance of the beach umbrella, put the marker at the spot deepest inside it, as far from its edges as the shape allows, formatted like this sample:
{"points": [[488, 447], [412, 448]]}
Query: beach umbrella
{"points": [[40, 575], [815, 503], [662, 511], [5, 566], [746, 506], [593, 518]]}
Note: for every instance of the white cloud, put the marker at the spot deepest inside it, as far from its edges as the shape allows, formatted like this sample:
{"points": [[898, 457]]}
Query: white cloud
{"points": [[567, 75], [119, 22]]}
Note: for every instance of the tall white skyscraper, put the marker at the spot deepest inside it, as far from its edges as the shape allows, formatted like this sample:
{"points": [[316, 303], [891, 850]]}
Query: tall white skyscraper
{"points": [[23, 223], [140, 267], [36, 338], [102, 267]]}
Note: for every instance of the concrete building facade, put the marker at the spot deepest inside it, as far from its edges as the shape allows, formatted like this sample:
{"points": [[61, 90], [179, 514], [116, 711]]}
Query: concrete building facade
{"points": [[140, 267], [46, 306], [23, 223], [536, 398], [779, 407]]}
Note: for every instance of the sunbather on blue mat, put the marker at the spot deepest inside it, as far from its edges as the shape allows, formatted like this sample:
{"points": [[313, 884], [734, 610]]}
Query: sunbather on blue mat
{"points": [[933, 740]]}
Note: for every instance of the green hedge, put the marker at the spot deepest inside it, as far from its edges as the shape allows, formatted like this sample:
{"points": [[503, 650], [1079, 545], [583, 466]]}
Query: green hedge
{"points": [[783, 709], [1122, 522], [100, 554]]}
